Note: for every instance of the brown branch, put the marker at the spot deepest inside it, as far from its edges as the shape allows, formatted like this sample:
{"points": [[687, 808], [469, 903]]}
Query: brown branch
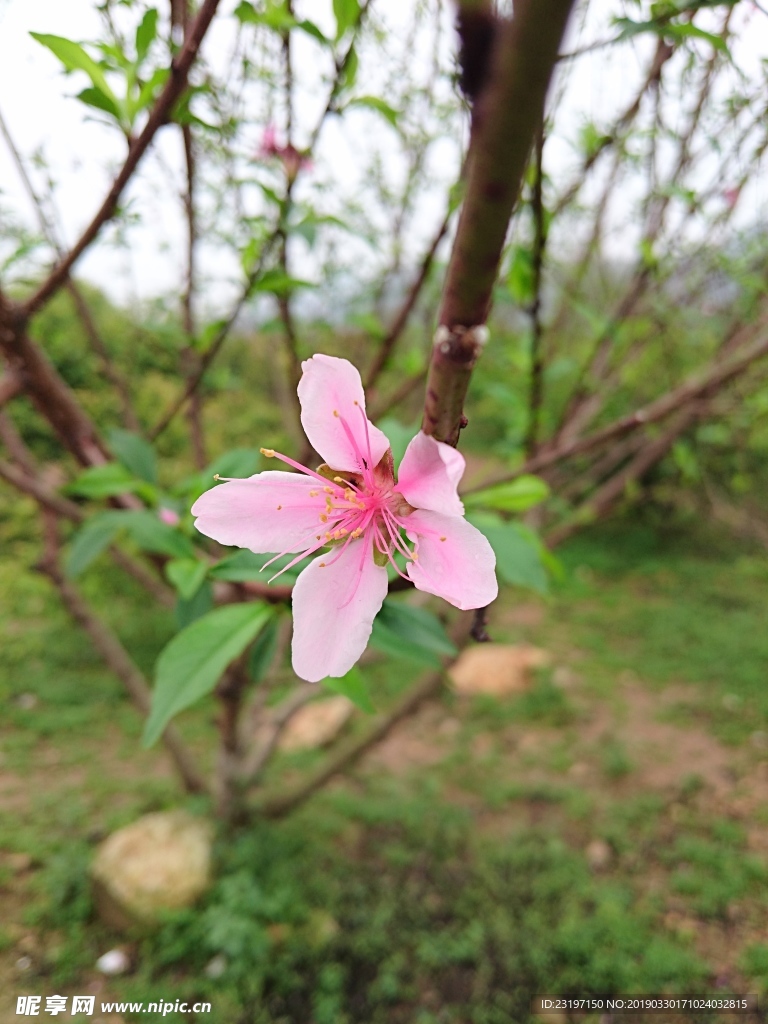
{"points": [[403, 314], [228, 323], [661, 55], [582, 406], [49, 499], [48, 391], [216, 344], [104, 640], [407, 387], [694, 387], [119, 661], [600, 503], [279, 718], [160, 114], [503, 126], [539, 245], [280, 804], [11, 386], [111, 371]]}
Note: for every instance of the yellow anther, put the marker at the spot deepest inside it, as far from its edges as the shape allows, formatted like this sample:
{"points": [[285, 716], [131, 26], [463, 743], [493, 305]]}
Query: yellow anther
{"points": [[329, 536], [328, 490], [349, 494], [335, 412], [268, 453], [338, 480], [313, 494], [357, 533], [443, 538], [321, 565], [323, 518], [216, 476]]}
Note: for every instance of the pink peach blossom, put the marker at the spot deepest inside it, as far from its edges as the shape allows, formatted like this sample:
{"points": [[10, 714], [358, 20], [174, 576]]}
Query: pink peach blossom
{"points": [[358, 512], [293, 159], [169, 517]]}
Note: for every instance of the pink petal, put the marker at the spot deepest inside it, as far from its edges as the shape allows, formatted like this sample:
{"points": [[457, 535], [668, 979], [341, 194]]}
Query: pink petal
{"points": [[333, 611], [328, 391], [429, 475], [268, 512], [455, 561]]}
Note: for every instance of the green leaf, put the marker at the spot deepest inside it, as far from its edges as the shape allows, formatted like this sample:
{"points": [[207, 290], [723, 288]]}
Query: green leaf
{"points": [[104, 482], [241, 567], [311, 29], [151, 534], [263, 650], [404, 631], [186, 575], [379, 105], [74, 58], [515, 496], [278, 283], [346, 13], [189, 609], [150, 90], [93, 97], [236, 462], [521, 558], [191, 664], [146, 34], [93, 537], [348, 75], [246, 14], [668, 30], [353, 686], [520, 279], [135, 453]]}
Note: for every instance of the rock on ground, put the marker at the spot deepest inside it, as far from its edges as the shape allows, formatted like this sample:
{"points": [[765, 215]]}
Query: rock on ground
{"points": [[317, 724], [497, 669], [160, 862]]}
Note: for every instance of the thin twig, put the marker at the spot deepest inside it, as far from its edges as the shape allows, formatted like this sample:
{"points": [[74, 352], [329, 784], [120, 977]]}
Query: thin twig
{"points": [[400, 320], [82, 309], [280, 804], [537, 258], [160, 114]]}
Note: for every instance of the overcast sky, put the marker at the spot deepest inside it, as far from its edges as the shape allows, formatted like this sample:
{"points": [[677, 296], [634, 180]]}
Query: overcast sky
{"points": [[36, 102]]}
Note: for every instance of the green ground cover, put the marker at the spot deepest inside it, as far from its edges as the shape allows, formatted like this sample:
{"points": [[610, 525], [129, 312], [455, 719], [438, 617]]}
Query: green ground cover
{"points": [[456, 872]]}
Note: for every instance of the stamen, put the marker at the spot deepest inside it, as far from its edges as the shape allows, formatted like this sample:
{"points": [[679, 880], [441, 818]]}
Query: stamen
{"points": [[270, 454]]}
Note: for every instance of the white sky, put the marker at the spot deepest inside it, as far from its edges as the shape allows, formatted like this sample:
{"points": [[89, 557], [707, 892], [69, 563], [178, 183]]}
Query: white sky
{"points": [[36, 102]]}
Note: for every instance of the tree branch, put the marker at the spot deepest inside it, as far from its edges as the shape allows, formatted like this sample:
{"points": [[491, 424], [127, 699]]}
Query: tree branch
{"points": [[505, 119], [280, 804], [398, 325], [160, 114]]}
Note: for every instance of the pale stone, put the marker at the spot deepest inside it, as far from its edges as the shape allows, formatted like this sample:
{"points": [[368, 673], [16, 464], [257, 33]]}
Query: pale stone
{"points": [[317, 724], [497, 669], [113, 962], [599, 854], [160, 862]]}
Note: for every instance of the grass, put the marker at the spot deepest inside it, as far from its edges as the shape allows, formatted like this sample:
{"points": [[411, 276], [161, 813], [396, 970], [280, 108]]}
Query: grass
{"points": [[434, 889]]}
